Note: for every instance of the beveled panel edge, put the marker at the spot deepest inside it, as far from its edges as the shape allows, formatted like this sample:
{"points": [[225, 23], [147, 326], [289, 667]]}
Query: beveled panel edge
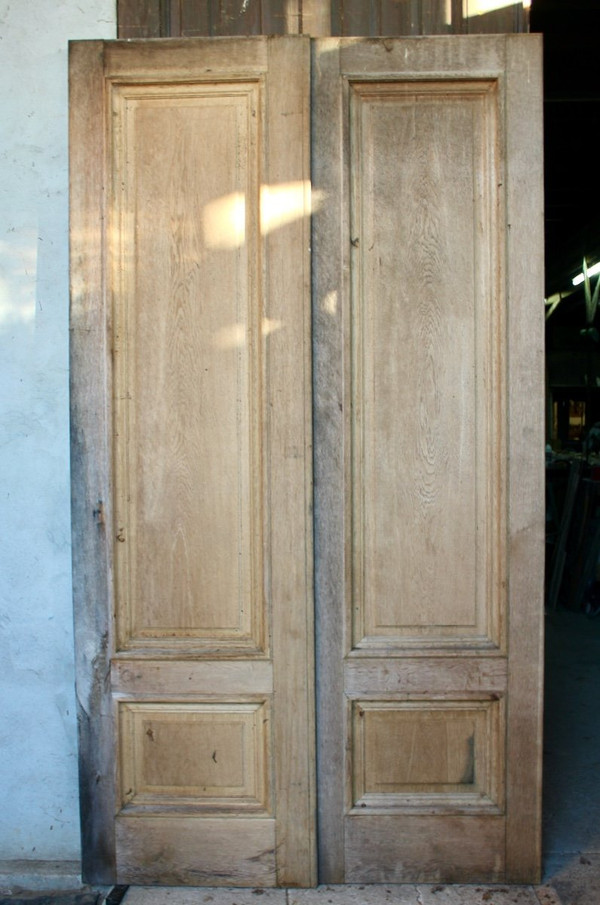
{"points": [[256, 712], [451, 803], [488, 632], [491, 801], [251, 638]]}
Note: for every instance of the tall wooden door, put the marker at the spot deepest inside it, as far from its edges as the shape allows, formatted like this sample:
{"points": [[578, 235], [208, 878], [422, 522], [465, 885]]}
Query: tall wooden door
{"points": [[429, 467], [192, 458]]}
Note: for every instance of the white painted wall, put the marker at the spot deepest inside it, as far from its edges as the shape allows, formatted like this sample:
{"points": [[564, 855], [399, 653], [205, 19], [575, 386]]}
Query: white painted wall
{"points": [[39, 818]]}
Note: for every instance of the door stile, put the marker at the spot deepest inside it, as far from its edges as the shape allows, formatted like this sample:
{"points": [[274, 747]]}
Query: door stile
{"points": [[331, 266], [525, 388], [91, 509]]}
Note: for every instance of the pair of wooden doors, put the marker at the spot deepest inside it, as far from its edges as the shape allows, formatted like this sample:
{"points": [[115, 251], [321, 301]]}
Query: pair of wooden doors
{"points": [[209, 180]]}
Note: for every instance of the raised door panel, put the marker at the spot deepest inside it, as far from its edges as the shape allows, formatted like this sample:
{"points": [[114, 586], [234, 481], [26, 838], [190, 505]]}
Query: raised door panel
{"points": [[428, 533], [192, 436], [426, 435], [188, 382]]}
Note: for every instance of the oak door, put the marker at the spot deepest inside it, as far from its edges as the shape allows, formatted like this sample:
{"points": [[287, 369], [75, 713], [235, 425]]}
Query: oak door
{"points": [[192, 458], [427, 264], [191, 464]]}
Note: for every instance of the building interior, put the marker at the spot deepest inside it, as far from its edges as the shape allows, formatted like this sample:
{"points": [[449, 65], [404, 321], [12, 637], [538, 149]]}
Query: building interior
{"points": [[571, 839]]}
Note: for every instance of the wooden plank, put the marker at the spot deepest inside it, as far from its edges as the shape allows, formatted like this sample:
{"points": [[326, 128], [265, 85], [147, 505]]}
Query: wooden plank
{"points": [[139, 19], [316, 18], [187, 483], [525, 454], [204, 851], [90, 468], [194, 19], [355, 17], [289, 404], [184, 59], [433, 849], [481, 18], [331, 405], [435, 18], [230, 677], [434, 676]]}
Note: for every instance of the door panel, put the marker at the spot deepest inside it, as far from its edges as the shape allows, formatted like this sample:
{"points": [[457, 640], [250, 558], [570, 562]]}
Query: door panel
{"points": [[203, 483], [192, 458], [419, 358]]}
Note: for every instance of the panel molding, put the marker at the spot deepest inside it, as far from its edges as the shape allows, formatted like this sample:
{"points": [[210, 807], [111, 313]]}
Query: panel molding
{"points": [[214, 755], [442, 449], [188, 334], [446, 755]]}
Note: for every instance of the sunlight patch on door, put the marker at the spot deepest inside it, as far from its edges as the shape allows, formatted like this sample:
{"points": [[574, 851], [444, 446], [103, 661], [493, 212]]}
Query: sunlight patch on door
{"points": [[224, 219], [234, 336]]}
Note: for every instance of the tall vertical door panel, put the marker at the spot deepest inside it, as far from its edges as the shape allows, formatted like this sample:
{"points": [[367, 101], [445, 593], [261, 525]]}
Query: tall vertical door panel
{"points": [[428, 457], [192, 473]]}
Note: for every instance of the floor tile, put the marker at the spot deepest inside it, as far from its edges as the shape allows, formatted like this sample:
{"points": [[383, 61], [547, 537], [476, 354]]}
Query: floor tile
{"points": [[477, 895], [355, 895], [180, 895]]}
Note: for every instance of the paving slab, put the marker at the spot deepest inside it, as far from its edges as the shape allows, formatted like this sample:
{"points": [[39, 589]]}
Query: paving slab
{"points": [[417, 894], [392, 894], [202, 895], [576, 878], [385, 894]]}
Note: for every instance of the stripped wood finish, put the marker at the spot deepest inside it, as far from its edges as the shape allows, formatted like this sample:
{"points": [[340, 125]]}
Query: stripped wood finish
{"points": [[192, 486], [191, 440], [429, 499]]}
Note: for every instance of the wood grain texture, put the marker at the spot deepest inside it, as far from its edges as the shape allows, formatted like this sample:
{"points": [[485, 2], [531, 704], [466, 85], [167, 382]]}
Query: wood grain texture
{"points": [[525, 280], [424, 849], [330, 252], [156, 678], [318, 18], [140, 19], [91, 509], [425, 427], [203, 849], [187, 347], [412, 420], [410, 676], [289, 403], [202, 758], [203, 448], [427, 756]]}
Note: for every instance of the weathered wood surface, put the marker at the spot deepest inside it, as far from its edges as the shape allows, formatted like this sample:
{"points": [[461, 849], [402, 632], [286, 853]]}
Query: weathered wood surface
{"points": [[318, 18], [192, 459], [90, 376], [525, 455], [190, 333], [422, 337]]}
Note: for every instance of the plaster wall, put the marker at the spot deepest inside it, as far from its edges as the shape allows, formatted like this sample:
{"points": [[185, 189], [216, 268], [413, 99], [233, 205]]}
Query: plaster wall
{"points": [[39, 818]]}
